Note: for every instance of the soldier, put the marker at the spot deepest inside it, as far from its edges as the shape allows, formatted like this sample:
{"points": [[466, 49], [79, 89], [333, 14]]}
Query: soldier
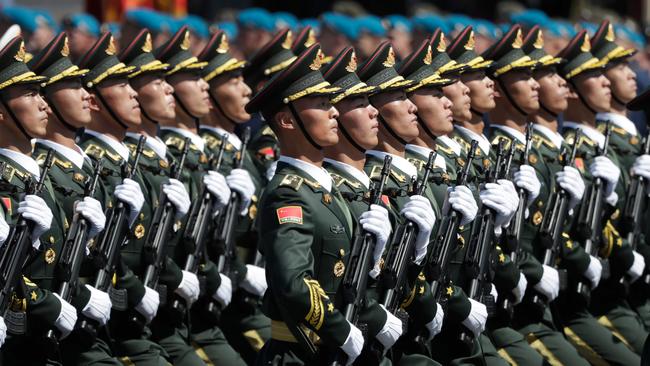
{"points": [[245, 325], [34, 308], [301, 203], [192, 104], [627, 144], [589, 93]]}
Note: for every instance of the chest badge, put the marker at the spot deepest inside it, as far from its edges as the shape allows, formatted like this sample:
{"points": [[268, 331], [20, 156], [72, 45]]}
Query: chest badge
{"points": [[337, 229], [139, 231], [634, 140], [163, 164], [78, 177], [50, 256], [532, 158], [327, 198], [339, 268], [537, 218]]}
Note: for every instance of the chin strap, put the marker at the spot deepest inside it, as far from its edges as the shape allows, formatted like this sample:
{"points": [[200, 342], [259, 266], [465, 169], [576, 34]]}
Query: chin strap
{"points": [[59, 116], [146, 115], [617, 99], [474, 111], [349, 138], [187, 111], [296, 115], [223, 113], [109, 109], [510, 99], [391, 131], [582, 99], [425, 128], [15, 120], [547, 110]]}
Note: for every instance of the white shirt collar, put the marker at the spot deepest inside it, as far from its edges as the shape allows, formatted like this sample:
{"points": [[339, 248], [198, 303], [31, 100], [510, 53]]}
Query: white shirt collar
{"points": [[619, 120], [319, 174], [232, 138], [196, 139], [589, 131], [512, 132], [398, 162], [118, 146], [555, 137], [154, 143], [359, 175], [424, 152], [483, 142], [26, 162], [76, 156], [453, 145]]}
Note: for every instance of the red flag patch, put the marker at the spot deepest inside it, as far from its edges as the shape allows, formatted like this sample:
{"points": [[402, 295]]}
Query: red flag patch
{"points": [[267, 152], [289, 215], [385, 200], [580, 164], [6, 201]]}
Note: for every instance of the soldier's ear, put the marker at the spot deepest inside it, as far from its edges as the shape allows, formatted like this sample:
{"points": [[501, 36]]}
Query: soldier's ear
{"points": [[284, 119], [93, 103]]}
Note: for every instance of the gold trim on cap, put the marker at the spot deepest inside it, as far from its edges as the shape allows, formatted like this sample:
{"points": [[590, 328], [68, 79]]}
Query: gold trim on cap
{"points": [[360, 88], [229, 65], [282, 65], [71, 71], [323, 87], [155, 65], [525, 61], [593, 63], [119, 68], [190, 63], [22, 78]]}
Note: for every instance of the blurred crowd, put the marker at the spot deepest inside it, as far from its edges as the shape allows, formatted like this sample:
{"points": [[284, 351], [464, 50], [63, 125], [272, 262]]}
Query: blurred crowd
{"points": [[251, 28]]}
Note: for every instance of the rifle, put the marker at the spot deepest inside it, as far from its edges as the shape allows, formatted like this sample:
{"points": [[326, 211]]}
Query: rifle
{"points": [[590, 219], [200, 217], [477, 257], [402, 250], [513, 232], [73, 253], [447, 234], [106, 253], [19, 242], [355, 281]]}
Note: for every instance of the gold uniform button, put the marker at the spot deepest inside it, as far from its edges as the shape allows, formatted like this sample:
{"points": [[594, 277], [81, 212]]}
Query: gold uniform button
{"points": [[342, 252], [51, 239]]}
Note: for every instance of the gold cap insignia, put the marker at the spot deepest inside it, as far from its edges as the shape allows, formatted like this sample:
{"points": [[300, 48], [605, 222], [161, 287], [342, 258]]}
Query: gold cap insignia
{"points": [[148, 44], [586, 45], [311, 38], [185, 45], [352, 65], [288, 41], [65, 50], [610, 33], [318, 61], [390, 59], [223, 45], [470, 42], [519, 40], [428, 57], [539, 42], [111, 49], [20, 55], [442, 45]]}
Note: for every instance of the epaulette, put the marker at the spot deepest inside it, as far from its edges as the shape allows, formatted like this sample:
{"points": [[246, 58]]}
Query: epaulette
{"points": [[419, 164], [539, 140], [464, 144], [375, 172], [40, 159], [446, 150], [312, 184], [267, 131], [215, 142], [399, 177], [95, 151], [8, 173], [291, 180], [497, 140], [338, 180], [176, 142]]}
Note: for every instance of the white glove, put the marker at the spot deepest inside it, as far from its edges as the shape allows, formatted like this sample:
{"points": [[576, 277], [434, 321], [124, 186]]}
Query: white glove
{"points": [[571, 181], [418, 209], [4, 230], [189, 287], [493, 195], [511, 192], [435, 326], [240, 181], [391, 331], [641, 166], [130, 193], [520, 290], [376, 221], [270, 172], [461, 200], [148, 306], [636, 270], [594, 271], [476, 319], [605, 169], [216, 184], [178, 196], [92, 211], [494, 292], [34, 209], [526, 178], [98, 306], [223, 295], [353, 344], [67, 317], [255, 281], [549, 285], [3, 331]]}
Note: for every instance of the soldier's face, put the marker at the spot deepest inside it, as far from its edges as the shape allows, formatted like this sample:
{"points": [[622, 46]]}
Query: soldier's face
{"points": [[71, 102], [458, 93], [233, 94], [523, 89], [481, 90], [192, 90], [623, 80], [319, 118], [29, 108], [122, 99], [155, 96], [434, 110], [553, 90], [399, 112], [595, 89], [359, 118]]}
